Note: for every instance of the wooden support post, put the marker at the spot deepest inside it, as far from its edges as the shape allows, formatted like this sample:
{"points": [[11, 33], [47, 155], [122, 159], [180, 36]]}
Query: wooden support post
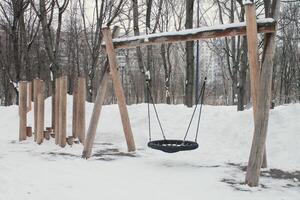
{"points": [[40, 114], [22, 110], [75, 109], [81, 109], [36, 88], [107, 37], [29, 96], [63, 112], [57, 108], [252, 40], [91, 133], [263, 106]]}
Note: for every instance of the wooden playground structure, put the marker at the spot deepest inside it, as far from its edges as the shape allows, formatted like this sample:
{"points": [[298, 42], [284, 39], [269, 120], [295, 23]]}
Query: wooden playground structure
{"points": [[34, 92], [260, 75]]}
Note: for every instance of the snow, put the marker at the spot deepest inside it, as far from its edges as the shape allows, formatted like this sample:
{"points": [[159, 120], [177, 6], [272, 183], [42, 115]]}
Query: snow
{"points": [[190, 31], [32, 172], [247, 2]]}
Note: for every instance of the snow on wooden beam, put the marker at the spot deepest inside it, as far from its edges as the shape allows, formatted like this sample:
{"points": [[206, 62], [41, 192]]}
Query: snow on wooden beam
{"points": [[266, 25]]}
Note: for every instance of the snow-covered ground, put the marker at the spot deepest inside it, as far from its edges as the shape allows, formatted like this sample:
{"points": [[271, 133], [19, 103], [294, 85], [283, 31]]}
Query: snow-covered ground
{"points": [[214, 171]]}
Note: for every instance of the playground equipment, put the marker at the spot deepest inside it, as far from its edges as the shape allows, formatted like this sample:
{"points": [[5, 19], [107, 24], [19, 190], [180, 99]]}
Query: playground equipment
{"points": [[173, 146], [260, 77], [58, 130]]}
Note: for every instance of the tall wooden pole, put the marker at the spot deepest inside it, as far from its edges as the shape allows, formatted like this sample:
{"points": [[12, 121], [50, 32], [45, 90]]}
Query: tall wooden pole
{"points": [[91, 133], [40, 114], [22, 110], [63, 112], [263, 106], [107, 37], [252, 40], [75, 109], [81, 109], [57, 108]]}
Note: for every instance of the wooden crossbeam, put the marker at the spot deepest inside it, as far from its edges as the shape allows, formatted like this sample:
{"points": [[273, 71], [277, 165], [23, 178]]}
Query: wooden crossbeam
{"points": [[267, 25]]}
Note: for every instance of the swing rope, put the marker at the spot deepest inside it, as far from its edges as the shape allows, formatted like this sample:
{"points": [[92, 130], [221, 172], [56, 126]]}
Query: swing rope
{"points": [[200, 98], [156, 113]]}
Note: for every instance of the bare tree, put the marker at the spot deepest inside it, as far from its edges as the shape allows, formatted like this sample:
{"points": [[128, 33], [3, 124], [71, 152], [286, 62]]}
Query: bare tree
{"points": [[189, 84]]}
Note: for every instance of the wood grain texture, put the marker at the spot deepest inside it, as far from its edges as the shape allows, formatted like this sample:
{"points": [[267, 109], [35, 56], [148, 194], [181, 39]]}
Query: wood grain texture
{"points": [[22, 110], [197, 34], [263, 107], [63, 112], [107, 37], [75, 109], [36, 88], [40, 114], [57, 108], [91, 133], [81, 109]]}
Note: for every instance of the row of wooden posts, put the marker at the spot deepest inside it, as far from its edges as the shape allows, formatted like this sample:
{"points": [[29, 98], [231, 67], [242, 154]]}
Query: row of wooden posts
{"points": [[34, 92]]}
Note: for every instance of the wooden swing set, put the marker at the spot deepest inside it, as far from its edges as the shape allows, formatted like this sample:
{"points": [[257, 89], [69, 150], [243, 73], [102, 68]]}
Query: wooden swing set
{"points": [[260, 76]]}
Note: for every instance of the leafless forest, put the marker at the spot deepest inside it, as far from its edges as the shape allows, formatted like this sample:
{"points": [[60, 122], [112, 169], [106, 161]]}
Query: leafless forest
{"points": [[49, 38]]}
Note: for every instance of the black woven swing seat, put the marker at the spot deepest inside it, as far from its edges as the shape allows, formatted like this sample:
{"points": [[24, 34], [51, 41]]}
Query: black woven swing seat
{"points": [[173, 146]]}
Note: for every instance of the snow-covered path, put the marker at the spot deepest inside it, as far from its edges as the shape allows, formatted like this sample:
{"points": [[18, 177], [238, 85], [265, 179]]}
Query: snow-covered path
{"points": [[33, 172]]}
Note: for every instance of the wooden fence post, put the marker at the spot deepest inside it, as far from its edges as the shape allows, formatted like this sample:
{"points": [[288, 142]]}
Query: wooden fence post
{"points": [[57, 108], [107, 37], [40, 114], [22, 110], [63, 112], [81, 109]]}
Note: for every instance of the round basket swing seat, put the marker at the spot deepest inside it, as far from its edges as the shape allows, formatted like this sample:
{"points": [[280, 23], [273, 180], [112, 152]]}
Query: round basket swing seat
{"points": [[173, 146]]}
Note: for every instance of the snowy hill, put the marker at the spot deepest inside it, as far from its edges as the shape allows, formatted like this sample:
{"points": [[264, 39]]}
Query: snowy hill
{"points": [[214, 171]]}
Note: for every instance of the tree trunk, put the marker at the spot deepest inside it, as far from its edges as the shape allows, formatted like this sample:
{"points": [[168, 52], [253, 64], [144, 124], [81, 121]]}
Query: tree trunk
{"points": [[189, 84], [242, 76], [136, 31]]}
